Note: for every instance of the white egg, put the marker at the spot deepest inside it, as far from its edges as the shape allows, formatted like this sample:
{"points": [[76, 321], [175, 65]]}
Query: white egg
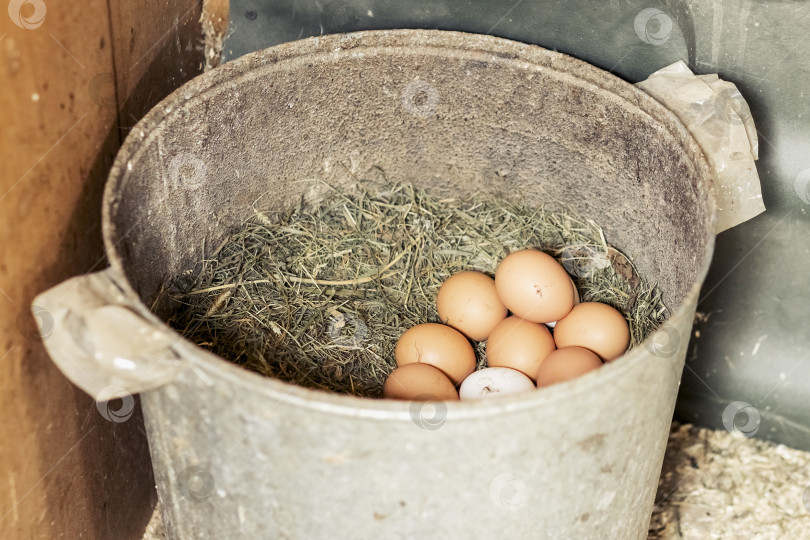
{"points": [[494, 381]]}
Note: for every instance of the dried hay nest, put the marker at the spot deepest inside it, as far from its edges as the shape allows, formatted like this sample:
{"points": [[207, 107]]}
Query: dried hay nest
{"points": [[319, 296]]}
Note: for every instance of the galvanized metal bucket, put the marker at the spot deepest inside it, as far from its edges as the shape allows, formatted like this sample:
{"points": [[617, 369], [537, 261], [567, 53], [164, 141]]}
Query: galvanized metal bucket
{"points": [[238, 454]]}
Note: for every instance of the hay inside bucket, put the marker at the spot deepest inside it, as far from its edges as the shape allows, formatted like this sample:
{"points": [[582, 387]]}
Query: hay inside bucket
{"points": [[319, 296]]}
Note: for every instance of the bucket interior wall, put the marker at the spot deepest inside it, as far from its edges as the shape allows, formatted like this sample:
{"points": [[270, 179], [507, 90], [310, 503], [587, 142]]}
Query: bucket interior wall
{"points": [[456, 122]]}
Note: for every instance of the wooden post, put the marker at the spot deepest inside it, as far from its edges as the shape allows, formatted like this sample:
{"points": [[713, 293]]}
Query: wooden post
{"points": [[74, 79]]}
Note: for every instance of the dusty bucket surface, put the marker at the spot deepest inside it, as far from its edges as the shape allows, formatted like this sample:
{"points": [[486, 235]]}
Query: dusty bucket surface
{"points": [[238, 454]]}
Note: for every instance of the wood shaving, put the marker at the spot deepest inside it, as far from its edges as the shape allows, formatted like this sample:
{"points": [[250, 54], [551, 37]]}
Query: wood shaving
{"points": [[718, 485]]}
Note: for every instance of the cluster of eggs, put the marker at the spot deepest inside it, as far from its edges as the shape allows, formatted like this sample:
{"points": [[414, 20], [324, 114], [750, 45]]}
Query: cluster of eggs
{"points": [[433, 359]]}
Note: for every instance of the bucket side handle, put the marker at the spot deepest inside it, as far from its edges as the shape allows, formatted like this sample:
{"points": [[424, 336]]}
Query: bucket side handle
{"points": [[98, 340]]}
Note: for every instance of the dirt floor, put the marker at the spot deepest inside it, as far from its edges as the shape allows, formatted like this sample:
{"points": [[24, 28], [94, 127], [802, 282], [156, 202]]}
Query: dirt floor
{"points": [[716, 485]]}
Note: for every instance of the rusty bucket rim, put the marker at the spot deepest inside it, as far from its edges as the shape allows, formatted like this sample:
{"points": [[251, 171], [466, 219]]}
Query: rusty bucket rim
{"points": [[418, 41]]}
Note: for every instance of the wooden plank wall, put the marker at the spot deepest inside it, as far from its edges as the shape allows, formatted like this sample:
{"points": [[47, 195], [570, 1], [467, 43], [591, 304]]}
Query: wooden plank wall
{"points": [[74, 77]]}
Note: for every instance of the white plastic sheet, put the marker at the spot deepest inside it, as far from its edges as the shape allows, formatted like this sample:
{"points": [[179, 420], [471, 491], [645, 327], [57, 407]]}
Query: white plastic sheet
{"points": [[717, 115]]}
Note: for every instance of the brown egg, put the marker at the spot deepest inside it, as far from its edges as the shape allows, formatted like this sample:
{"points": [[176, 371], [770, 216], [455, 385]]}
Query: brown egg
{"points": [[566, 364], [468, 302], [576, 301], [595, 326], [419, 382], [519, 344], [534, 286], [438, 345]]}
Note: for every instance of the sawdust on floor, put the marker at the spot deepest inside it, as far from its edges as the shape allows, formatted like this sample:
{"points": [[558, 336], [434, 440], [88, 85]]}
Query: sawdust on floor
{"points": [[214, 19], [717, 485]]}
